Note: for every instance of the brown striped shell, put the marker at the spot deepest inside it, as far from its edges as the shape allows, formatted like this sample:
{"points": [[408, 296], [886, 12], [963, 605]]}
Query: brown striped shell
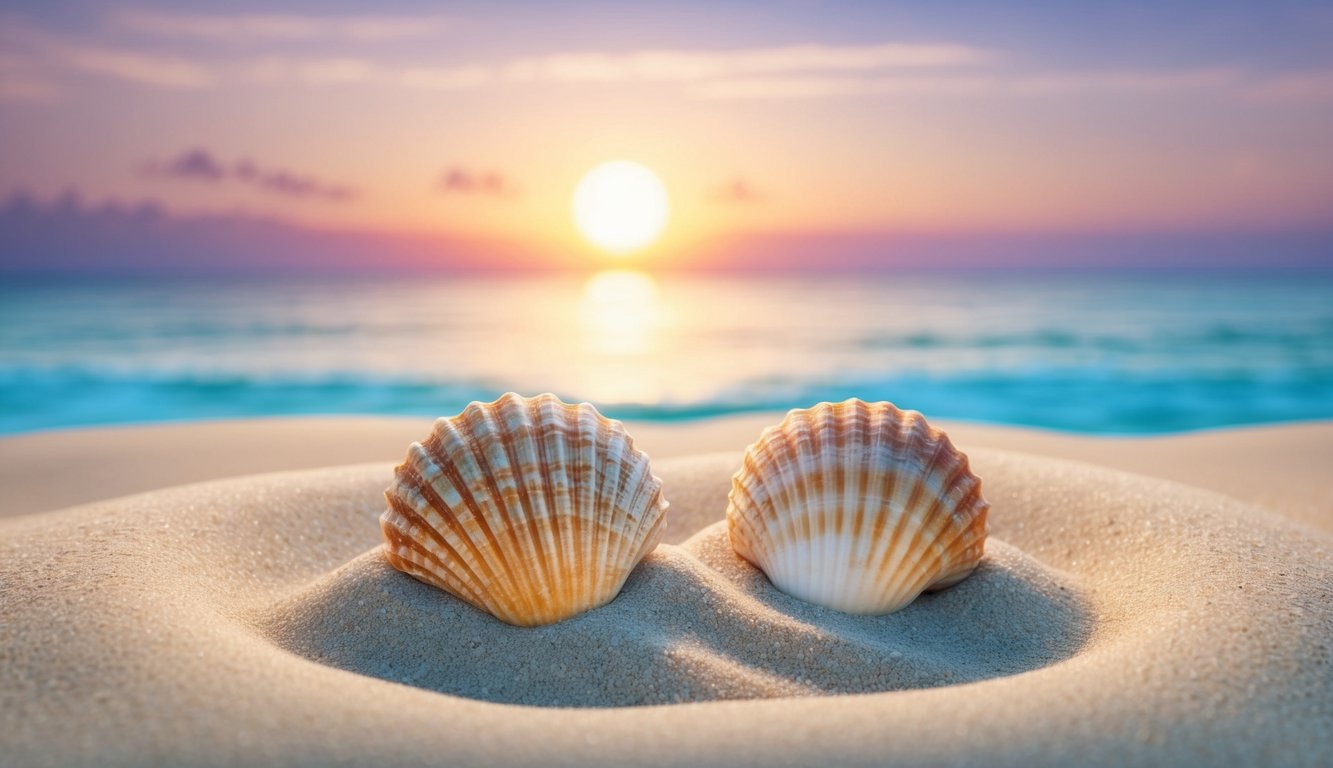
{"points": [[857, 506], [530, 509]]}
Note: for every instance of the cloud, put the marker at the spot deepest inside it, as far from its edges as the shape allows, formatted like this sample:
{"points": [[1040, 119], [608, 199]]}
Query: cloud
{"points": [[679, 66], [250, 28], [35, 65], [684, 65], [591, 68], [779, 87], [71, 235], [131, 66], [459, 180], [737, 190], [201, 165], [800, 72], [42, 57], [196, 164], [290, 184], [1017, 84], [271, 70]]}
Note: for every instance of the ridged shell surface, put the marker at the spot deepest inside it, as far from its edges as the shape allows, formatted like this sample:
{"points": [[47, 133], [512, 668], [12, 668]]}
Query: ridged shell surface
{"points": [[858, 507], [531, 509]]}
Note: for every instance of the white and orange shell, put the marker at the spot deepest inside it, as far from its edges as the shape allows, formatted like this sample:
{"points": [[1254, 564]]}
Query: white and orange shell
{"points": [[530, 509], [858, 507]]}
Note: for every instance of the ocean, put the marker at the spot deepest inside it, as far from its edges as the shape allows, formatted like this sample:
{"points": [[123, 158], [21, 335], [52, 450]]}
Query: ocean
{"points": [[1100, 353]]}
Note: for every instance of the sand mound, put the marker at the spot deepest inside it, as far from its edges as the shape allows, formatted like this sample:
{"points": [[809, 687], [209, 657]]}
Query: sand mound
{"points": [[681, 631], [1115, 619]]}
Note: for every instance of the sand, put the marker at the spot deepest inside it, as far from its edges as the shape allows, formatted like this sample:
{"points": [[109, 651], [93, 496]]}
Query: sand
{"points": [[115, 461], [1117, 619]]}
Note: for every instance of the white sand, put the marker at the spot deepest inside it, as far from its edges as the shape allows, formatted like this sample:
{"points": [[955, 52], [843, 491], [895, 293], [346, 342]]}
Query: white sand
{"points": [[1117, 619], [1276, 467]]}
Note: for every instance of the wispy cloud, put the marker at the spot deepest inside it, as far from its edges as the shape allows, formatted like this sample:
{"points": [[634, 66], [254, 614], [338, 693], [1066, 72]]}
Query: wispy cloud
{"points": [[43, 57], [787, 87], [202, 165], [142, 68], [1004, 83], [460, 180], [254, 28], [786, 72], [799, 72], [679, 66], [353, 71], [196, 164], [685, 65]]}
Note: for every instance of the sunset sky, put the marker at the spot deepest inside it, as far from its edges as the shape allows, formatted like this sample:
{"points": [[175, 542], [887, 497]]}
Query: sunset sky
{"points": [[766, 121]]}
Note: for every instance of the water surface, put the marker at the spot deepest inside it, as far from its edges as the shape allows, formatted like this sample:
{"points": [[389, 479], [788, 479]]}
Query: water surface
{"points": [[1093, 352]]}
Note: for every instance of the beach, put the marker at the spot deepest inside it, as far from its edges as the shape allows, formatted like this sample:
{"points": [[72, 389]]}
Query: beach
{"points": [[322, 330], [121, 460], [1142, 600]]}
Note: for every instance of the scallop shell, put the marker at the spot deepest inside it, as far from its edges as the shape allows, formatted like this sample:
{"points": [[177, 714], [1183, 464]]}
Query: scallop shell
{"points": [[530, 509], [857, 506]]}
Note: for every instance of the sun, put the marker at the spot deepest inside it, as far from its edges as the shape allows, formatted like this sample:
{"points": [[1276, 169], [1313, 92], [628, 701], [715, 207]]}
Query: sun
{"points": [[620, 206]]}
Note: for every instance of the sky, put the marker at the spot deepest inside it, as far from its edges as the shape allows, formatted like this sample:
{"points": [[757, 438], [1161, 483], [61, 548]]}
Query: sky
{"points": [[786, 133]]}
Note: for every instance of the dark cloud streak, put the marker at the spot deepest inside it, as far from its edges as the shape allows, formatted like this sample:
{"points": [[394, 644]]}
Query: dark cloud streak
{"points": [[459, 180], [71, 235], [199, 164]]}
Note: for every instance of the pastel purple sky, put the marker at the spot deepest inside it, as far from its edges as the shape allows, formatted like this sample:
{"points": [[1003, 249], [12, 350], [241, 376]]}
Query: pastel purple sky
{"points": [[794, 129]]}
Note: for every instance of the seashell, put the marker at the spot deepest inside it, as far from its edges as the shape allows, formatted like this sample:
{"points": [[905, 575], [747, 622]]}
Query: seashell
{"points": [[533, 510], [858, 507]]}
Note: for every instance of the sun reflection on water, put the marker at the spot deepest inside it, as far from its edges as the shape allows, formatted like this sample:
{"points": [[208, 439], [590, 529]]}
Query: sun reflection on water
{"points": [[621, 319], [620, 313]]}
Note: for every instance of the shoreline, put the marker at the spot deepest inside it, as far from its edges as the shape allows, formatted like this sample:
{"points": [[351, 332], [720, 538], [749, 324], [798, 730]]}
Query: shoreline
{"points": [[1273, 466], [683, 421]]}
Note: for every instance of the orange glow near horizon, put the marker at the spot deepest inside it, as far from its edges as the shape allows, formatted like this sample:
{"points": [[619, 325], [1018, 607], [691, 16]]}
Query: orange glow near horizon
{"points": [[468, 136]]}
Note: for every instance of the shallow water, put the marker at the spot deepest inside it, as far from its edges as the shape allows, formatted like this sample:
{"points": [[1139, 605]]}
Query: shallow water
{"points": [[1089, 352]]}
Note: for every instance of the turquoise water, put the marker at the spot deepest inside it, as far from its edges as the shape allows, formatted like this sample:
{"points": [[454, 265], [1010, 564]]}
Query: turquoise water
{"points": [[1094, 353]]}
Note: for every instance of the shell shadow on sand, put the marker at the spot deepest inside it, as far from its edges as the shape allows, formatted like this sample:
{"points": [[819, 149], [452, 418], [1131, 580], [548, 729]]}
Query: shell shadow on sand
{"points": [[693, 623]]}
